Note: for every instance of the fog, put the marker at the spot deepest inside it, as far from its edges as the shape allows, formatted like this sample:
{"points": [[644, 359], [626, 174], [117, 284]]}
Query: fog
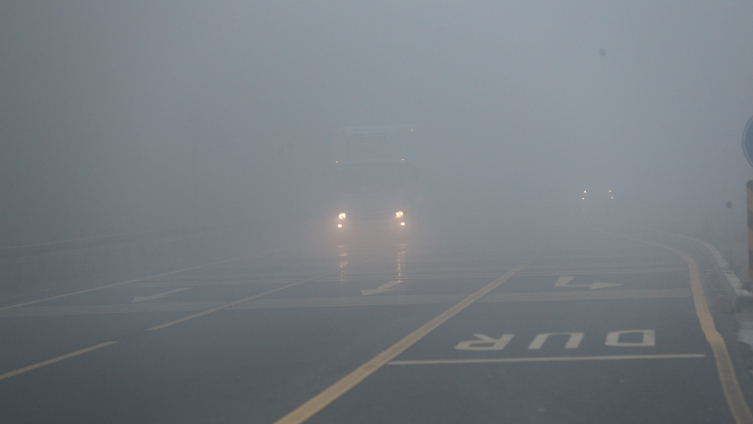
{"points": [[120, 117]]}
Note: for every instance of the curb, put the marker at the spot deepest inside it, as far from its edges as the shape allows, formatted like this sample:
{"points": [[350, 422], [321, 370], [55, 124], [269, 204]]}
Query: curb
{"points": [[739, 295]]}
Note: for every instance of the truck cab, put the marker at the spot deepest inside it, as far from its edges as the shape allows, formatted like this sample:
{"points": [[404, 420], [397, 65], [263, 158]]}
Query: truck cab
{"points": [[374, 180]]}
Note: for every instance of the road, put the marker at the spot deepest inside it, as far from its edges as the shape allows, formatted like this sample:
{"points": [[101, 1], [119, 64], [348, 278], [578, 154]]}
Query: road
{"points": [[579, 327]]}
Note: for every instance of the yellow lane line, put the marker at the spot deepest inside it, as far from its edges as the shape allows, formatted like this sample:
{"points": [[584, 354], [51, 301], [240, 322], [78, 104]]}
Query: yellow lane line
{"points": [[730, 386], [320, 401], [133, 281], [53, 360], [546, 359]]}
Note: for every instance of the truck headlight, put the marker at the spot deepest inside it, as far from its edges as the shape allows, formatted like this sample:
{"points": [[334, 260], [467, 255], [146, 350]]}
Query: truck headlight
{"points": [[399, 214], [342, 215]]}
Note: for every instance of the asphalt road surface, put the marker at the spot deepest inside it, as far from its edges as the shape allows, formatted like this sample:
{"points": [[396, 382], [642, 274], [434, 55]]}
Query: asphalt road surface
{"points": [[584, 327]]}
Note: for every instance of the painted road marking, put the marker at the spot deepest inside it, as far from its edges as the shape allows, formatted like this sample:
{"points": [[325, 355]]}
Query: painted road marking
{"points": [[565, 282], [486, 343], [546, 359], [605, 271], [159, 327], [648, 338], [256, 296], [18, 305], [381, 289], [587, 295], [158, 295], [730, 386], [320, 401], [328, 302], [53, 360], [573, 341]]}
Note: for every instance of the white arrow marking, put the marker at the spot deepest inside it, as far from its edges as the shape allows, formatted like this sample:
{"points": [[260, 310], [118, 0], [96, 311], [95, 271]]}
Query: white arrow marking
{"points": [[381, 289], [158, 295], [563, 282]]}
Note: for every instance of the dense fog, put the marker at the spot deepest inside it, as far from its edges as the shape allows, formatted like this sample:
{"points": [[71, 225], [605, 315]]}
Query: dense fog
{"points": [[121, 117]]}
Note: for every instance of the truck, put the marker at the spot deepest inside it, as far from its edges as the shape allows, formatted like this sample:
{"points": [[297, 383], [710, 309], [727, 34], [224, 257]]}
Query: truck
{"points": [[374, 180]]}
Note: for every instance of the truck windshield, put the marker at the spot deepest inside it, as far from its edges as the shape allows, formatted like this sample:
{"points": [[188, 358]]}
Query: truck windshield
{"points": [[371, 177]]}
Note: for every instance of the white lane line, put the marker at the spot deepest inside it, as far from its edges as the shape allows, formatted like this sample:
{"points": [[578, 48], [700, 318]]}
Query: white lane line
{"points": [[381, 289], [158, 295], [343, 302], [547, 359], [565, 282]]}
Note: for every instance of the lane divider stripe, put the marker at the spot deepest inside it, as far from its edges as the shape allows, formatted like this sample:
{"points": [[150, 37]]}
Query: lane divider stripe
{"points": [[546, 359], [256, 296], [138, 279], [101, 345], [53, 360]]}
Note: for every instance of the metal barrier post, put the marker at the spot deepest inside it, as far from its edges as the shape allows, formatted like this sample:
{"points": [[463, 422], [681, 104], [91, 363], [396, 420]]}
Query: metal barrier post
{"points": [[750, 230]]}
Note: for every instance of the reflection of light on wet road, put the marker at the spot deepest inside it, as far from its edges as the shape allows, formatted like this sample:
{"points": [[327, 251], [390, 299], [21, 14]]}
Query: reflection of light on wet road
{"points": [[400, 260]]}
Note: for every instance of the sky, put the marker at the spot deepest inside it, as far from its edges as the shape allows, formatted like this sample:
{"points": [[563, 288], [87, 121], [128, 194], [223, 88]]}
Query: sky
{"points": [[120, 117]]}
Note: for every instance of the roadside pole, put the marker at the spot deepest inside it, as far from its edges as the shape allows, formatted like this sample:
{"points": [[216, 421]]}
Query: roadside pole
{"points": [[748, 150], [750, 230]]}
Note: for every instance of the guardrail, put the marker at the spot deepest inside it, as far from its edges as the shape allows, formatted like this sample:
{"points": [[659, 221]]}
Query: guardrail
{"points": [[99, 260]]}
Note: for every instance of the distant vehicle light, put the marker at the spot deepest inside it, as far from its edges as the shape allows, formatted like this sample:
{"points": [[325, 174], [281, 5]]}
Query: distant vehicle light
{"points": [[610, 191], [399, 214], [583, 198], [612, 197], [402, 224], [339, 225], [342, 215]]}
